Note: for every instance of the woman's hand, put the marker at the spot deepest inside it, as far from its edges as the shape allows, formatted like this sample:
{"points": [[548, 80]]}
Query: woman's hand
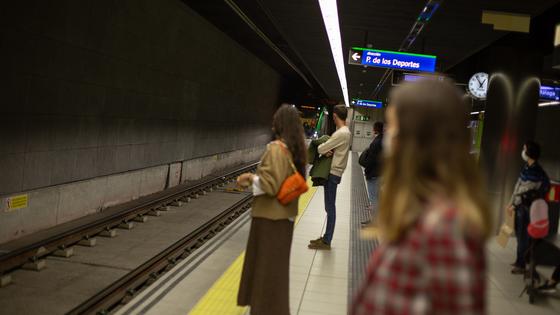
{"points": [[245, 180]]}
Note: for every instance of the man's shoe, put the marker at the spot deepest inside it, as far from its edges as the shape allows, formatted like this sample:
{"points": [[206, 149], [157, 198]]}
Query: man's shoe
{"points": [[319, 240], [366, 222], [517, 270], [548, 287], [319, 245]]}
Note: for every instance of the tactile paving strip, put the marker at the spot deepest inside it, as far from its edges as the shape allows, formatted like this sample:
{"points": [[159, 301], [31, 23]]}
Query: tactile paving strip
{"points": [[360, 249]]}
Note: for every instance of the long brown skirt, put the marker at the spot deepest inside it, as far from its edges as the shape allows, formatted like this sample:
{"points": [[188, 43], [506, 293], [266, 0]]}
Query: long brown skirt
{"points": [[265, 278]]}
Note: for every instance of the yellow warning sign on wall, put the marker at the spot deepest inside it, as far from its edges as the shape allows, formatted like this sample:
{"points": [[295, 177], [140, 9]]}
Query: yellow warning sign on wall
{"points": [[17, 202]]}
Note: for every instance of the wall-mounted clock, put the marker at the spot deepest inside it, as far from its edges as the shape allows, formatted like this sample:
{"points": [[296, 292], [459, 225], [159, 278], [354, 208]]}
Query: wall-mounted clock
{"points": [[478, 85]]}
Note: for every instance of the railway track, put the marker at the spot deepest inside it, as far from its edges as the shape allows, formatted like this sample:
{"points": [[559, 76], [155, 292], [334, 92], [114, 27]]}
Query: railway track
{"points": [[120, 291]]}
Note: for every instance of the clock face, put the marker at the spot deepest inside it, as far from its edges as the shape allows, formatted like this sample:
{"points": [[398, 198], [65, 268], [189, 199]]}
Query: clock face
{"points": [[478, 85]]}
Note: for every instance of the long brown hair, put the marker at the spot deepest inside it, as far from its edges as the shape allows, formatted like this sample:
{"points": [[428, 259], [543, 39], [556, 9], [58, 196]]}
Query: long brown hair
{"points": [[287, 126], [429, 157]]}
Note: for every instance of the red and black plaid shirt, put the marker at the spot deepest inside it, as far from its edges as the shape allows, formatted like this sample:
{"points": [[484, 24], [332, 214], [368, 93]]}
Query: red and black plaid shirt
{"points": [[435, 269]]}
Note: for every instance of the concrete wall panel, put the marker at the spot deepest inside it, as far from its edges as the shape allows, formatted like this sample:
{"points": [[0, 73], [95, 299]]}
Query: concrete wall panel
{"points": [[174, 177], [192, 170], [153, 180], [11, 222], [42, 211], [122, 188], [81, 198]]}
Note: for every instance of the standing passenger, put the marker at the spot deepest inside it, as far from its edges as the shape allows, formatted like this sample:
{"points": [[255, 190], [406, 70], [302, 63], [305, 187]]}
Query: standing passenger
{"points": [[433, 217], [265, 278], [371, 160], [533, 183], [337, 147]]}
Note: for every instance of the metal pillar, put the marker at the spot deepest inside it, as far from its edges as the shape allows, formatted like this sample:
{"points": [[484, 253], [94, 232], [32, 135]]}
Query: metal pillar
{"points": [[509, 118]]}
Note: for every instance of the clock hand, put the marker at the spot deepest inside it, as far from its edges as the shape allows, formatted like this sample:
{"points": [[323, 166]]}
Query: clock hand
{"points": [[477, 79], [480, 83]]}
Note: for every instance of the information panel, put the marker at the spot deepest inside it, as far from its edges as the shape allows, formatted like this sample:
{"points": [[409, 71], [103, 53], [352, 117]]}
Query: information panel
{"points": [[550, 93], [367, 103], [392, 59]]}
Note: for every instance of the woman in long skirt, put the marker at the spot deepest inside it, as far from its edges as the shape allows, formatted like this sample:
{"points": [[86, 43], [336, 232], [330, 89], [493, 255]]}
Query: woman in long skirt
{"points": [[265, 278]]}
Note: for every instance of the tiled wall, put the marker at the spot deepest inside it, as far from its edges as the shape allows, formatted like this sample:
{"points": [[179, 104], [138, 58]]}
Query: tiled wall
{"points": [[94, 88]]}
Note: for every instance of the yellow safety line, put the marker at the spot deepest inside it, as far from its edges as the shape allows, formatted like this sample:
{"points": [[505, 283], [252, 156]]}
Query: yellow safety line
{"points": [[221, 299]]}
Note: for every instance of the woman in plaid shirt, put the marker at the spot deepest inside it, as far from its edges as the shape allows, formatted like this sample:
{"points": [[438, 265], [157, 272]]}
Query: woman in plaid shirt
{"points": [[433, 217]]}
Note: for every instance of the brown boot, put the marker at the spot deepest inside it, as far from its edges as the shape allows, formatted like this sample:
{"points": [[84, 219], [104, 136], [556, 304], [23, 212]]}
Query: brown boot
{"points": [[319, 240], [319, 245]]}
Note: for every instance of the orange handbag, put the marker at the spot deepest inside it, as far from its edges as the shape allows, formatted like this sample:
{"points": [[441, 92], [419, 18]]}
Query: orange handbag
{"points": [[293, 186]]}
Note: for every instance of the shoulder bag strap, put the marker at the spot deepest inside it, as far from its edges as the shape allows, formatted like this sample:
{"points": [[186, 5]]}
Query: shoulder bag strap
{"points": [[285, 150]]}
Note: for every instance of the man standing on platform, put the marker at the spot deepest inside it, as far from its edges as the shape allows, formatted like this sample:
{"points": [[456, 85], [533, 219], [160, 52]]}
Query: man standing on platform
{"points": [[371, 160], [337, 147]]}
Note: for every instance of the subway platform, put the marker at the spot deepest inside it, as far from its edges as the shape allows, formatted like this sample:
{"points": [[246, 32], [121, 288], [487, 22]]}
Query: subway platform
{"points": [[321, 282]]}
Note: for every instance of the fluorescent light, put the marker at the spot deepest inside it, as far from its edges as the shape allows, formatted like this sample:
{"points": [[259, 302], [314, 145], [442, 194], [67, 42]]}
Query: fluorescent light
{"points": [[549, 103], [329, 11], [476, 113]]}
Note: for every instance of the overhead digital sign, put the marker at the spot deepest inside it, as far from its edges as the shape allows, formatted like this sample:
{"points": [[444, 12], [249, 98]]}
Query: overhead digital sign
{"points": [[392, 59], [551, 93], [367, 103], [409, 77]]}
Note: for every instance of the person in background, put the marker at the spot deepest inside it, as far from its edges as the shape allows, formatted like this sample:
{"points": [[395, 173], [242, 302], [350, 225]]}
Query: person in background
{"points": [[433, 218], [371, 160], [265, 277], [532, 183], [338, 146]]}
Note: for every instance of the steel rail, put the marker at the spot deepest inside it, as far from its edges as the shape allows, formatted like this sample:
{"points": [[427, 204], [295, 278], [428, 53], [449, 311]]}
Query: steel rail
{"points": [[123, 289]]}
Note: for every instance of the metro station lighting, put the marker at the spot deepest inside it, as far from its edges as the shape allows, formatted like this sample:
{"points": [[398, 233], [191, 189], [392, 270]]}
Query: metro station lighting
{"points": [[549, 104], [428, 11], [329, 10]]}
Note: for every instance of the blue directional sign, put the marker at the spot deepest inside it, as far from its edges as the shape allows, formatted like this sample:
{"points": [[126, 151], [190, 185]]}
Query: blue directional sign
{"points": [[367, 103], [409, 77], [551, 93], [392, 59]]}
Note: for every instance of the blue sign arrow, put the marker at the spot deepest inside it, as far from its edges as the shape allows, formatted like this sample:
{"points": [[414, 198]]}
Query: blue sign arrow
{"points": [[392, 59]]}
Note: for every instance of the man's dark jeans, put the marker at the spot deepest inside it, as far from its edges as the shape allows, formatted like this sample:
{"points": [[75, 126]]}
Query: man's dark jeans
{"points": [[330, 206], [522, 220]]}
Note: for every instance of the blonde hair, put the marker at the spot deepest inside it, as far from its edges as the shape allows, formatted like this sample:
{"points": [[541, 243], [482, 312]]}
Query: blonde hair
{"points": [[430, 157]]}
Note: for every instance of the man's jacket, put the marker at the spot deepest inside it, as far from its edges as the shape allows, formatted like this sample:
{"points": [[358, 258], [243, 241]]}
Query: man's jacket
{"points": [[371, 158], [533, 183], [321, 169]]}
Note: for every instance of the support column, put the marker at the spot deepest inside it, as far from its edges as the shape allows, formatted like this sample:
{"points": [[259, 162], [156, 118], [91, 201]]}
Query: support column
{"points": [[509, 118]]}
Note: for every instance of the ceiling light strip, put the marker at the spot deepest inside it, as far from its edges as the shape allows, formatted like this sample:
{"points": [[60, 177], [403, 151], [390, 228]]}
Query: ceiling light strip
{"points": [[329, 10], [549, 104]]}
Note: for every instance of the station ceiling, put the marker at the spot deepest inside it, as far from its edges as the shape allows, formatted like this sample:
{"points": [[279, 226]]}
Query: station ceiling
{"points": [[296, 28]]}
